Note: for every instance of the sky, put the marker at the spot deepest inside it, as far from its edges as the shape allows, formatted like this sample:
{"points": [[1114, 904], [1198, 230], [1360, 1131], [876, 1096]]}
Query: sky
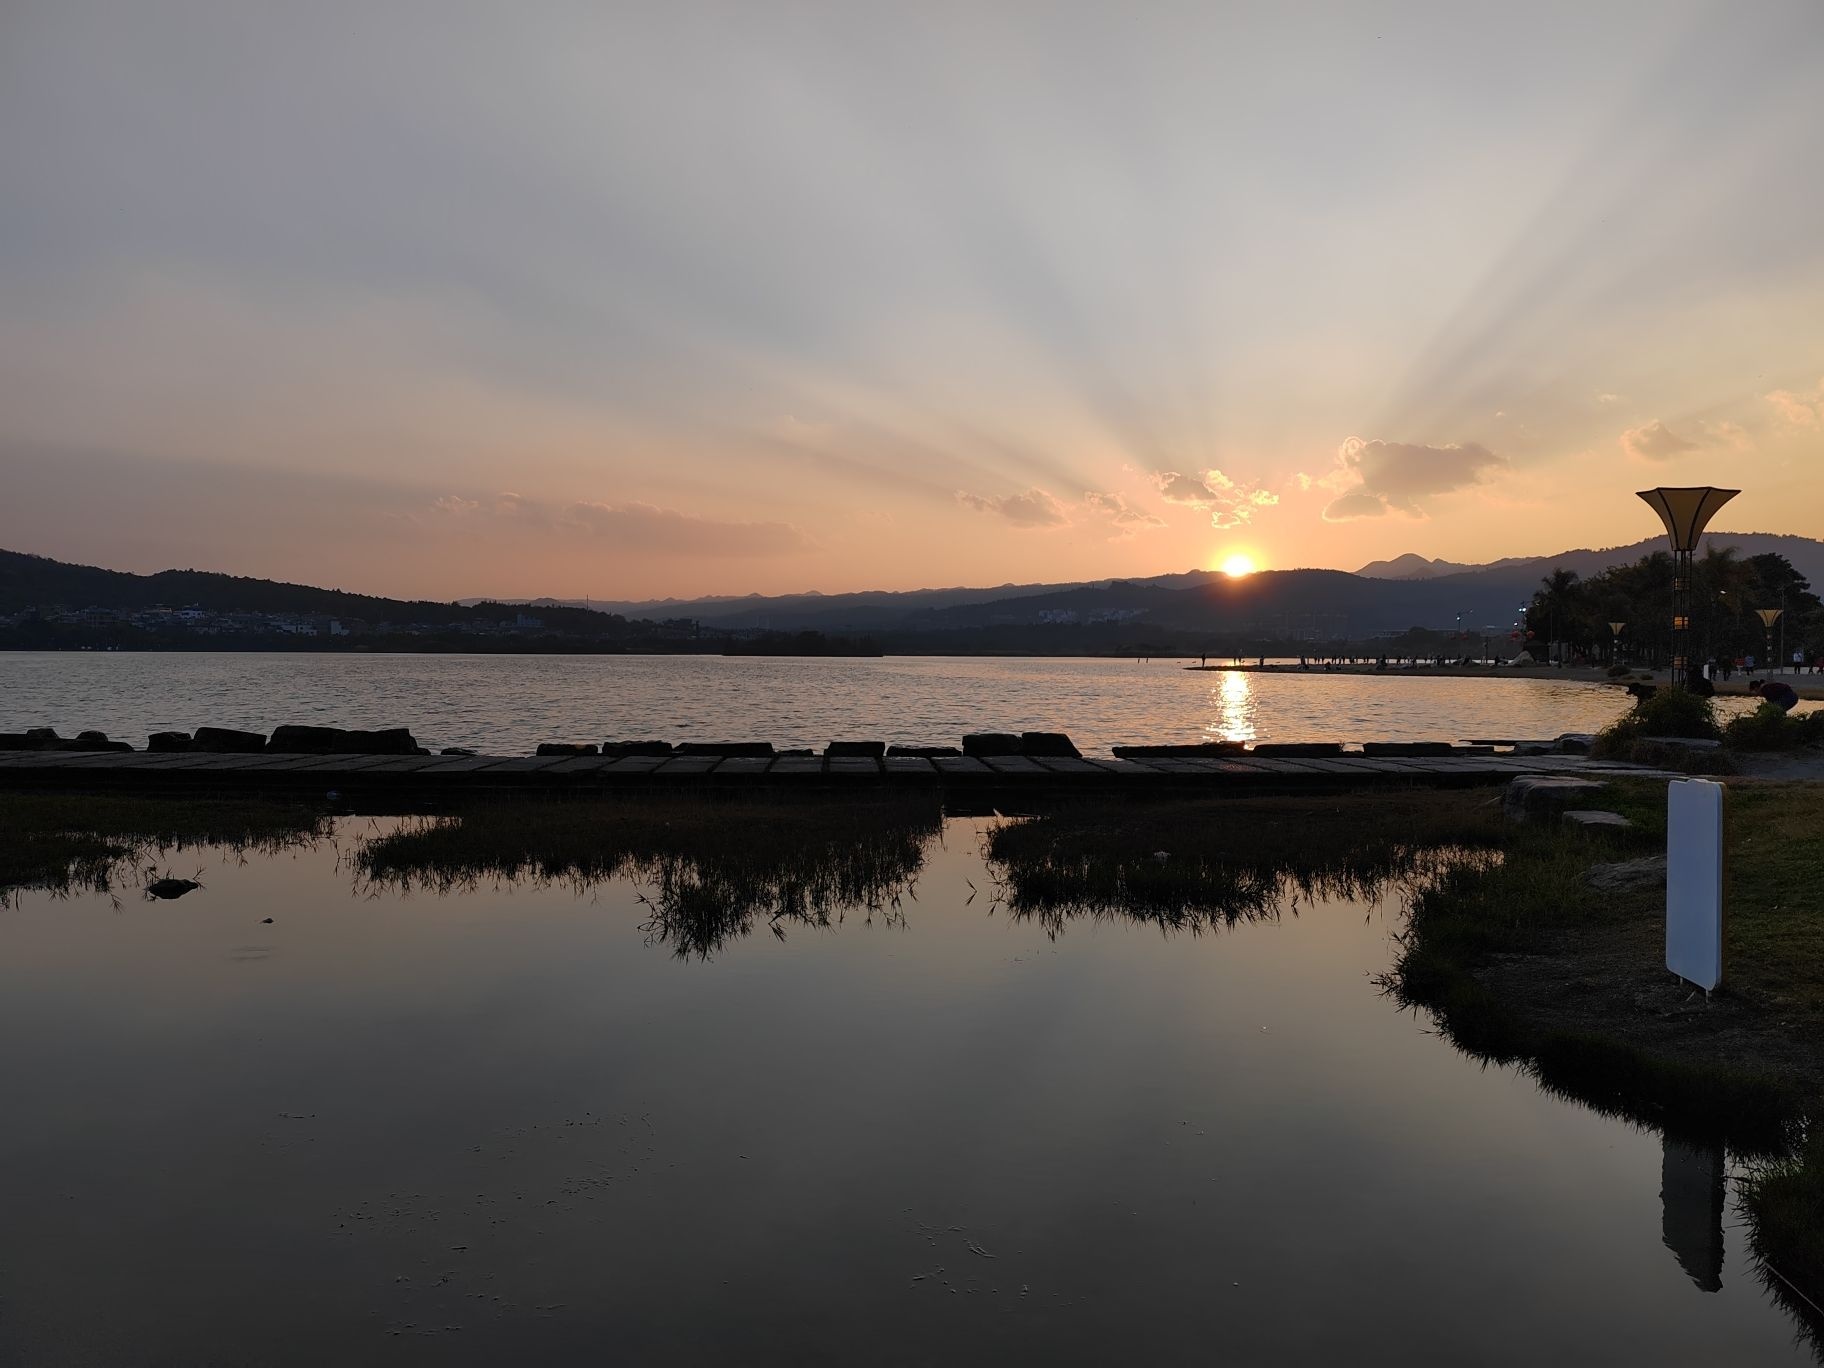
{"points": [[636, 300]]}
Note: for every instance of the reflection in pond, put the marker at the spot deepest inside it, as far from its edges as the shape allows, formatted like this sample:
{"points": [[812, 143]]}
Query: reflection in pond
{"points": [[708, 869], [69, 843], [1194, 864], [1691, 1195]]}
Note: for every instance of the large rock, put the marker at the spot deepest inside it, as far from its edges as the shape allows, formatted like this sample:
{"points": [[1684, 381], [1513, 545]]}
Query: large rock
{"points": [[1647, 872], [1535, 796], [95, 741], [565, 748], [636, 748], [1594, 819], [726, 748], [1409, 748], [855, 750], [991, 743], [1575, 743], [294, 739], [1050, 745], [168, 741], [225, 740], [922, 752], [1289, 749]]}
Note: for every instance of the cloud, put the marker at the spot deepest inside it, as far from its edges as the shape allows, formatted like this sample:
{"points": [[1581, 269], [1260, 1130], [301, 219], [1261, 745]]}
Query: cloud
{"points": [[1034, 508], [1655, 441], [1229, 503], [1127, 519], [1607, 398], [1803, 409], [639, 527], [1393, 477]]}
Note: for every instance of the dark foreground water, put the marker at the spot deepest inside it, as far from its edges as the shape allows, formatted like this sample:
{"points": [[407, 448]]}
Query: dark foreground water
{"points": [[508, 704], [512, 1125]]}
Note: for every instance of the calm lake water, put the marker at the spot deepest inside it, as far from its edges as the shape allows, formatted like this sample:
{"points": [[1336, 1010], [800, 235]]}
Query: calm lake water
{"points": [[508, 1125], [508, 704]]}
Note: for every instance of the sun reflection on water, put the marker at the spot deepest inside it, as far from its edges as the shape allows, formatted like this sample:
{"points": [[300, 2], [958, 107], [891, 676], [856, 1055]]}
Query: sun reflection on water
{"points": [[1232, 701]]}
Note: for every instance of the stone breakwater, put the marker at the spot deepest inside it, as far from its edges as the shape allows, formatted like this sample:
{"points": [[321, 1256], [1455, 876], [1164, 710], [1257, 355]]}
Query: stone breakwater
{"points": [[294, 740]]}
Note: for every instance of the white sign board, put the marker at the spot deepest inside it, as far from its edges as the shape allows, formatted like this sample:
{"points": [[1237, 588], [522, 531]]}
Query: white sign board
{"points": [[1694, 881]]}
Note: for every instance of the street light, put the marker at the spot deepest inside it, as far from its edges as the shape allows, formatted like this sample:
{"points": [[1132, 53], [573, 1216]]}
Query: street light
{"points": [[1768, 617], [1685, 511]]}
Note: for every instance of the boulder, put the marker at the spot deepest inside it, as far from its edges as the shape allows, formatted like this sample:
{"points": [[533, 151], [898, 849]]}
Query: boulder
{"points": [[95, 741], [1051, 745], [383, 741], [855, 750], [168, 741], [1575, 743], [45, 738], [1535, 796], [1409, 748], [457, 750], [636, 748], [921, 752], [565, 748], [991, 743], [725, 748], [1646, 872], [1288, 749], [293, 739], [1594, 819], [225, 740]]}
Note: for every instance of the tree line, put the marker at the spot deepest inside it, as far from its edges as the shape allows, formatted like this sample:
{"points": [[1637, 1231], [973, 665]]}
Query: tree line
{"points": [[1570, 617]]}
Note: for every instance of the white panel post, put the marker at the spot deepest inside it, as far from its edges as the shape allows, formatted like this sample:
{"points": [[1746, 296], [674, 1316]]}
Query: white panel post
{"points": [[1694, 881]]}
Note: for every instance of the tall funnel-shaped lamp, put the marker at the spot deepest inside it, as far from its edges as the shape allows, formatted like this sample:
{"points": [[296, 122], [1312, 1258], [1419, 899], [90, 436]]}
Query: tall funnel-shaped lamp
{"points": [[1686, 512]]}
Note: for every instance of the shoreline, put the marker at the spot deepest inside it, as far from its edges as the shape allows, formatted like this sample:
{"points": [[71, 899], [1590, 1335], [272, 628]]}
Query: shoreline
{"points": [[1807, 686]]}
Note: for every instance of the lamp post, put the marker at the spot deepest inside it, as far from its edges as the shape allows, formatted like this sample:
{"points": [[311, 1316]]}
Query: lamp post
{"points": [[1615, 647], [1768, 617], [1685, 511]]}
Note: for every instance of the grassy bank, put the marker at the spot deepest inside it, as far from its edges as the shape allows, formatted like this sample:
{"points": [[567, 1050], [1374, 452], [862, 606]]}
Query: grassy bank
{"points": [[1553, 960]]}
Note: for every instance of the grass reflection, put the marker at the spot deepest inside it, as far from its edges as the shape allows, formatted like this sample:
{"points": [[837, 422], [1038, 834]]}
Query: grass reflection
{"points": [[708, 870], [1195, 864], [85, 843]]}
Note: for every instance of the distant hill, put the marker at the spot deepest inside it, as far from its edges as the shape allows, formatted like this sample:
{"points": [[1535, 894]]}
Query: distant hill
{"points": [[1805, 553], [38, 582], [1414, 566], [1194, 609]]}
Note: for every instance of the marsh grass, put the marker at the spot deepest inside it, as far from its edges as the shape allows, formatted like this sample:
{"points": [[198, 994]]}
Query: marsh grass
{"points": [[1199, 863], [70, 843], [708, 869], [1785, 1203]]}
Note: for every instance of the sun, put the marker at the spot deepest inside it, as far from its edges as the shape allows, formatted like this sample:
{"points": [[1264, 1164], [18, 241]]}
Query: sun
{"points": [[1237, 565]]}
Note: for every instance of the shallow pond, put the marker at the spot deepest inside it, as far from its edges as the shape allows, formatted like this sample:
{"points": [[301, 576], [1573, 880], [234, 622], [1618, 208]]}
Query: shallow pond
{"points": [[526, 1123]]}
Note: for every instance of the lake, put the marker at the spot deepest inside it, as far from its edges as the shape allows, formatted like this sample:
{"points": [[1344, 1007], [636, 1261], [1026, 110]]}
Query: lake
{"points": [[508, 704], [534, 1122]]}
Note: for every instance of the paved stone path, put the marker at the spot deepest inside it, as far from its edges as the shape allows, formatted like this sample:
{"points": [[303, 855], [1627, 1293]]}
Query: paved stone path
{"points": [[456, 776]]}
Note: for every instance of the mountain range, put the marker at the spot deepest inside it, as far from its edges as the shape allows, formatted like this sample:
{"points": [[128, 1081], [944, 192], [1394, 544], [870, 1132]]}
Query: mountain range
{"points": [[1386, 595], [1098, 616]]}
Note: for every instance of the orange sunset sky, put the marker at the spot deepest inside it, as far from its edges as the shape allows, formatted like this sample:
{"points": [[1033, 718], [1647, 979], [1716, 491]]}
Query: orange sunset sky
{"points": [[633, 301]]}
